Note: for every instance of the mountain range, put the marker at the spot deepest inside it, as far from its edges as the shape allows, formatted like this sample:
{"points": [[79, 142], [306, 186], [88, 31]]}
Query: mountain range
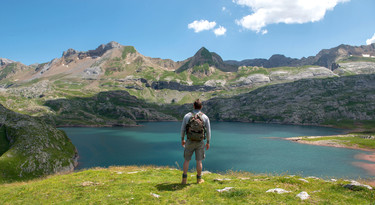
{"points": [[116, 85]]}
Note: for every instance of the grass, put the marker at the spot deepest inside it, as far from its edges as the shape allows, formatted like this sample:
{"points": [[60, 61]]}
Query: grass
{"points": [[140, 185], [127, 50], [351, 140], [357, 59]]}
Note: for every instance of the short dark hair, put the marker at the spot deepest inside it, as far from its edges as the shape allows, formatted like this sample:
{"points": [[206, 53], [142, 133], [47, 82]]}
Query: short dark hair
{"points": [[197, 104]]}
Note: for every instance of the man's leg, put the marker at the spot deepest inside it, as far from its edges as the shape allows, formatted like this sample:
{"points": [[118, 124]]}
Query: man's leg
{"points": [[199, 167], [199, 172], [185, 169]]}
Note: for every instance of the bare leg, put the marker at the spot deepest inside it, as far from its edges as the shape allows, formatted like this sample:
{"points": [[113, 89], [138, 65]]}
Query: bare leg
{"points": [[186, 166], [199, 168], [184, 175], [199, 172]]}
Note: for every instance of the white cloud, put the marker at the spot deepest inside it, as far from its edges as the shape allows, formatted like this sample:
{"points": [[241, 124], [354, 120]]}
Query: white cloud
{"points": [[201, 25], [371, 40], [220, 31], [224, 8], [267, 12]]}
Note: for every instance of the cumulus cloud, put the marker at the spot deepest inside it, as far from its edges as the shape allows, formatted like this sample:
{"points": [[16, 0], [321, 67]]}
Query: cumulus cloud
{"points": [[201, 25], [267, 12], [371, 40], [220, 31]]}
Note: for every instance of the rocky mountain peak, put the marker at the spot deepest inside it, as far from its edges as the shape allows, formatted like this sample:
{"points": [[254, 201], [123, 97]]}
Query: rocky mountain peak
{"points": [[69, 52], [4, 61], [204, 56]]}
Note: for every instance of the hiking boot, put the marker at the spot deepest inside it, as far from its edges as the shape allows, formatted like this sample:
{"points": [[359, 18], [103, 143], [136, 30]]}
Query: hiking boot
{"points": [[184, 178], [200, 181]]}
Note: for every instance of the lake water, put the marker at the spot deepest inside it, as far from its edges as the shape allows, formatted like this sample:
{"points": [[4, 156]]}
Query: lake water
{"points": [[234, 146]]}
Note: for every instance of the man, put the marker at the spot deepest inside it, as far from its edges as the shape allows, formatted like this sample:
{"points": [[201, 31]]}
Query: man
{"points": [[196, 125]]}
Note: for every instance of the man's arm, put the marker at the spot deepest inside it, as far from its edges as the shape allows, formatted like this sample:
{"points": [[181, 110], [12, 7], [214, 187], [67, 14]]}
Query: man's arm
{"points": [[208, 132], [183, 129]]}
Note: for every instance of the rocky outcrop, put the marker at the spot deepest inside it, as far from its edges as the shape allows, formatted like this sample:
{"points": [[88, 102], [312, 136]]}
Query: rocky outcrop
{"points": [[4, 61], [159, 85], [308, 101], [35, 148], [355, 68], [91, 53]]}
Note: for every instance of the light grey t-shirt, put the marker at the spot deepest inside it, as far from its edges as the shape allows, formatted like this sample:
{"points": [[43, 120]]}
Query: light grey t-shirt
{"points": [[206, 122]]}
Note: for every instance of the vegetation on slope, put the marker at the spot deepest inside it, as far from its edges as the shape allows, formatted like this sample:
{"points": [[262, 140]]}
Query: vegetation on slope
{"points": [[152, 185], [34, 148]]}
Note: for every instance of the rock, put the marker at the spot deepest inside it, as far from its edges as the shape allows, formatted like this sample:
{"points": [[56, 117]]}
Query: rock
{"points": [[89, 183], [312, 177], [357, 68], [220, 180], [304, 180], [254, 79], [206, 172], [226, 189], [4, 61], [155, 195], [278, 190], [92, 73], [354, 185], [303, 195]]}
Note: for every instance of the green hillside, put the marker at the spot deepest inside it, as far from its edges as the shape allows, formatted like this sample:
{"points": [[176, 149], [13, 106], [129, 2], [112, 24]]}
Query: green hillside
{"points": [[152, 185]]}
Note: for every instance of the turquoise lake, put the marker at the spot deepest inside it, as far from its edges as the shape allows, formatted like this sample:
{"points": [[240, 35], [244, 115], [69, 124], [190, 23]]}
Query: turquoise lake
{"points": [[235, 146]]}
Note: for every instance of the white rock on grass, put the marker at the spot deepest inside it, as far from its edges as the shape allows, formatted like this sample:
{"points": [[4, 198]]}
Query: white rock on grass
{"points": [[353, 184], [220, 180], [303, 195], [278, 190], [155, 195], [312, 177], [225, 189], [304, 180], [206, 172]]}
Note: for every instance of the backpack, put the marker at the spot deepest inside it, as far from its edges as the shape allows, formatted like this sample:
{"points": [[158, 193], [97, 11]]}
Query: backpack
{"points": [[195, 129]]}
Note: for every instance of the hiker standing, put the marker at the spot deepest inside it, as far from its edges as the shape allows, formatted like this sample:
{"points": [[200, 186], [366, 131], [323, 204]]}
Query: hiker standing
{"points": [[196, 125]]}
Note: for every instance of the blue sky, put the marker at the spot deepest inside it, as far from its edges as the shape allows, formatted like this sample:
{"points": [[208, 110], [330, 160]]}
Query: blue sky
{"points": [[40, 30]]}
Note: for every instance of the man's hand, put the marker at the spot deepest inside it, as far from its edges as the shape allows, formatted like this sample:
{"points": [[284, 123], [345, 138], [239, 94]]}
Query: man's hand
{"points": [[183, 142], [207, 146]]}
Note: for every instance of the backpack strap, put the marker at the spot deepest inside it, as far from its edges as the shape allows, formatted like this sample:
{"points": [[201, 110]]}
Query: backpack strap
{"points": [[200, 114]]}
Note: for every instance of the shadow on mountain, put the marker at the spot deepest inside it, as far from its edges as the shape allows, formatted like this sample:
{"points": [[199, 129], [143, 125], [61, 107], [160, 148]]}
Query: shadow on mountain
{"points": [[111, 108]]}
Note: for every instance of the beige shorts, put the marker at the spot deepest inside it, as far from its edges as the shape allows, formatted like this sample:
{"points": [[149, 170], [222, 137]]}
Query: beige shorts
{"points": [[194, 146]]}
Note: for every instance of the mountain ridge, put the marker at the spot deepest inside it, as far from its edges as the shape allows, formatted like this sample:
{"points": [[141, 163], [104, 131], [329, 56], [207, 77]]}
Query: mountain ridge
{"points": [[326, 57]]}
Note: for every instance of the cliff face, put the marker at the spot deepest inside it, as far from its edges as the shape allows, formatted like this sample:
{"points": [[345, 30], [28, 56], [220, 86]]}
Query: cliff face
{"points": [[308, 101], [32, 148]]}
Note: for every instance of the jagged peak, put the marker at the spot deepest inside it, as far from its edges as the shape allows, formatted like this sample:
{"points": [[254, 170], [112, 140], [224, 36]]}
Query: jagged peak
{"points": [[69, 52], [108, 46], [4, 61]]}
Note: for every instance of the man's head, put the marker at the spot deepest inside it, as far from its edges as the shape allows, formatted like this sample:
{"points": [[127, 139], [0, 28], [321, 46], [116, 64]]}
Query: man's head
{"points": [[197, 104]]}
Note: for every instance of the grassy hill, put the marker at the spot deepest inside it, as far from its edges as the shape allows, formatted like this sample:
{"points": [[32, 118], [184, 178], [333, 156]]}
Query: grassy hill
{"points": [[155, 185]]}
